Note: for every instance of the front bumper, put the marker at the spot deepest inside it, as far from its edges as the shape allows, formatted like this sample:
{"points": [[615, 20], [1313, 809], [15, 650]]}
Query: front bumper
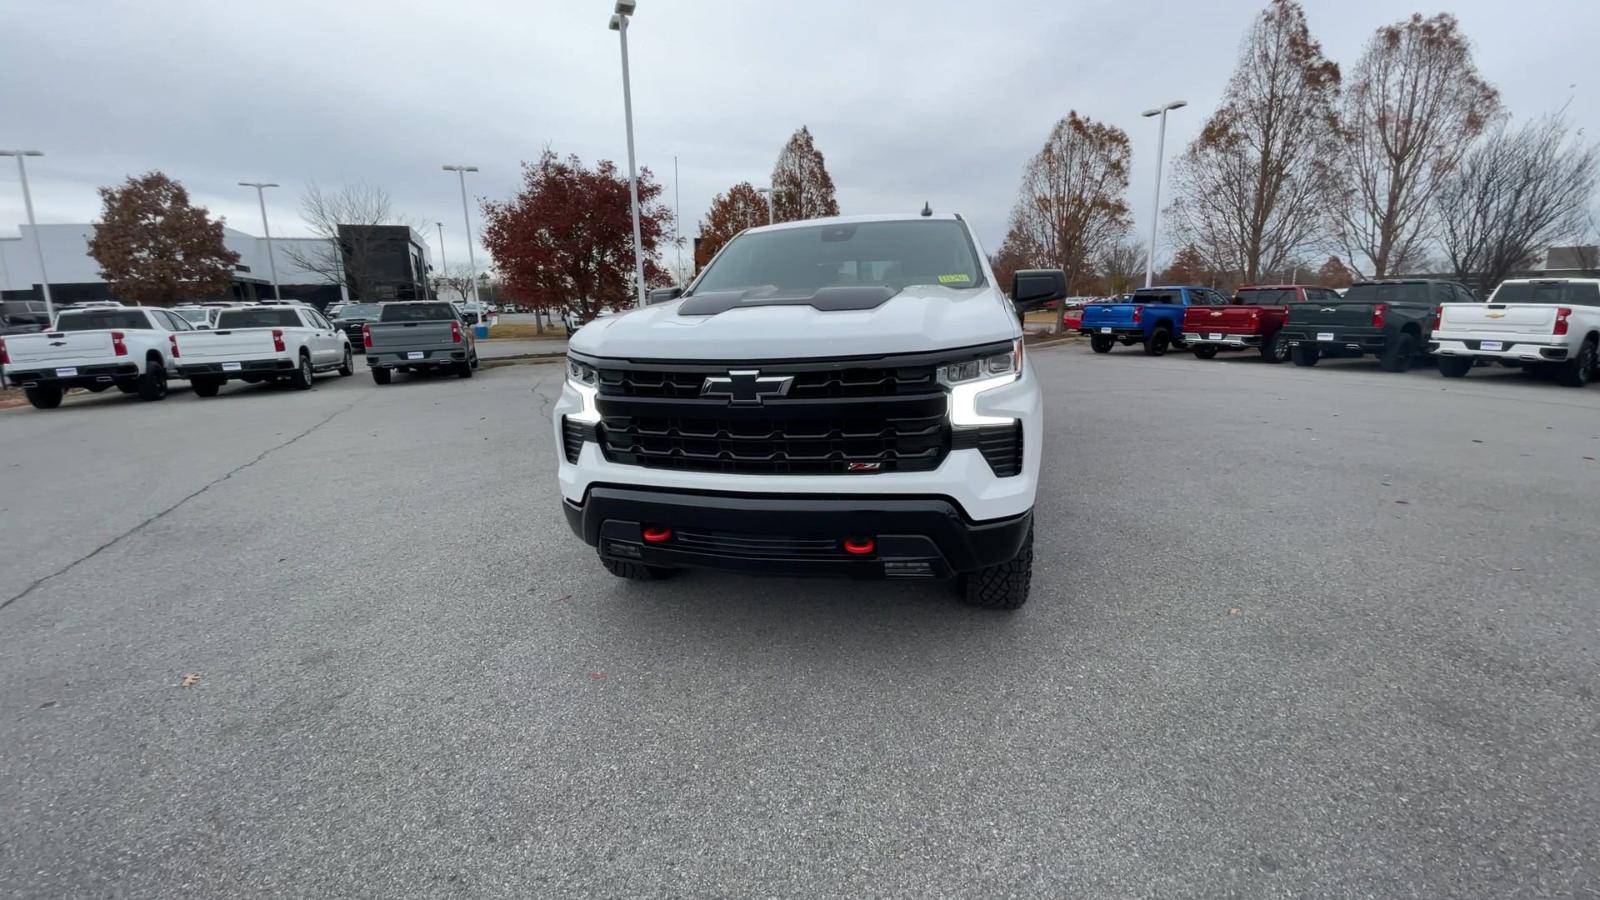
{"points": [[1508, 346], [912, 536], [1219, 339], [81, 376]]}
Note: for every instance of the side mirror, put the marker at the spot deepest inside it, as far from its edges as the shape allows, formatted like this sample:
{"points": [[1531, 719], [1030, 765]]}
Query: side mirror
{"points": [[665, 294], [1033, 288]]}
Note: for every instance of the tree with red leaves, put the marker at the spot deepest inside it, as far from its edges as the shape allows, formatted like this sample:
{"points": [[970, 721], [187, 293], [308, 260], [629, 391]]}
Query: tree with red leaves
{"points": [[1188, 267], [740, 208], [155, 248], [565, 241]]}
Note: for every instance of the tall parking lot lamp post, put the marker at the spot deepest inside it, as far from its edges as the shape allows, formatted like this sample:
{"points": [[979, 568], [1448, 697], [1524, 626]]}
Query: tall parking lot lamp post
{"points": [[619, 24], [1155, 212], [33, 228], [272, 262], [472, 262]]}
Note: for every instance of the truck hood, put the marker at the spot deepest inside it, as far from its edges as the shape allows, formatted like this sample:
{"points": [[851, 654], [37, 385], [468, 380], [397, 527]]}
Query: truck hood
{"points": [[918, 319]]}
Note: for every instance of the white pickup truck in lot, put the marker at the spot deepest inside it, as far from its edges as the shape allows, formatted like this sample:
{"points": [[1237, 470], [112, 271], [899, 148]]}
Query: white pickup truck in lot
{"points": [[130, 348], [1533, 322], [263, 343]]}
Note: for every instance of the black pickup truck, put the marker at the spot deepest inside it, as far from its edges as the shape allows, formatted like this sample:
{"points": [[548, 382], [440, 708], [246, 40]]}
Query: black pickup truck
{"points": [[1391, 319]]}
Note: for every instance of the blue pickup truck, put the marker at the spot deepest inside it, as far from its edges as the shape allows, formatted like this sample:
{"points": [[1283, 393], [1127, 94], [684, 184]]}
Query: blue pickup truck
{"points": [[1153, 317]]}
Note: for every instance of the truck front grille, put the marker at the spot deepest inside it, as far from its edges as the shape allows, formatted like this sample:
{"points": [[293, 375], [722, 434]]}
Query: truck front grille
{"points": [[834, 418]]}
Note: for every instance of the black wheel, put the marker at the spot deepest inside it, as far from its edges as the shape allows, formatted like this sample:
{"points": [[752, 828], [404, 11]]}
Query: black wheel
{"points": [[304, 376], [205, 387], [348, 367], [1273, 350], [131, 386], [1398, 353], [381, 375], [1101, 343], [1157, 343], [474, 359], [636, 571], [153, 383], [1455, 366], [45, 396], [97, 387], [464, 369], [1577, 371], [1003, 586], [1306, 355], [1205, 351]]}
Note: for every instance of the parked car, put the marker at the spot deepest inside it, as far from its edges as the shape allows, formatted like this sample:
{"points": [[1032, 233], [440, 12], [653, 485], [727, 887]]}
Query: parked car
{"points": [[201, 317], [263, 343], [24, 315], [1251, 320], [1152, 317], [1391, 319], [350, 318], [419, 335], [1548, 323], [130, 348], [785, 417]]}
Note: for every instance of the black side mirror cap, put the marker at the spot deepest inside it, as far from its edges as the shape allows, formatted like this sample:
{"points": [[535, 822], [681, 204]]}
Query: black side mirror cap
{"points": [[1033, 288], [665, 294]]}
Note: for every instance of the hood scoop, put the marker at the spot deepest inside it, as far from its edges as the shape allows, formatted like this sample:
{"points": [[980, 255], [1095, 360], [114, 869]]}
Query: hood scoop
{"points": [[839, 298]]}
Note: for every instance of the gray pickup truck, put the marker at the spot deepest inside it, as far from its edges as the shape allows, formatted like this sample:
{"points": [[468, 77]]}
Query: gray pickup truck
{"points": [[418, 336]]}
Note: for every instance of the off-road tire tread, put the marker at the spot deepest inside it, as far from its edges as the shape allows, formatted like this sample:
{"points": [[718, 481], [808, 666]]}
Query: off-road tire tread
{"points": [[1003, 586]]}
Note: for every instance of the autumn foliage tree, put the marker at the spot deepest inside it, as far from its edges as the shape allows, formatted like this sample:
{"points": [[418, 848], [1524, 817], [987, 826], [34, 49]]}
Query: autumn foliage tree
{"points": [[1072, 202], [740, 208], [1411, 110], [156, 248], [801, 185], [1334, 274], [1189, 266], [1251, 189], [565, 241]]}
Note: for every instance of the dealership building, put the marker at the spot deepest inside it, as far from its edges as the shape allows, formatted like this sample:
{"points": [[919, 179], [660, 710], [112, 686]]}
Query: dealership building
{"points": [[393, 259]]}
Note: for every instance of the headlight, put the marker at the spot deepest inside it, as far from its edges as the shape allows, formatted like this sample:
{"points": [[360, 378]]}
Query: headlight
{"points": [[969, 378], [585, 381], [580, 374], [1008, 363]]}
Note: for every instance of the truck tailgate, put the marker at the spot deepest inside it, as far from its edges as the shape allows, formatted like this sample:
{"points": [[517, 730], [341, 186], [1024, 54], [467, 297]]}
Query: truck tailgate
{"points": [[1109, 315], [1315, 315], [59, 346], [1223, 319], [231, 344], [390, 337], [1500, 318]]}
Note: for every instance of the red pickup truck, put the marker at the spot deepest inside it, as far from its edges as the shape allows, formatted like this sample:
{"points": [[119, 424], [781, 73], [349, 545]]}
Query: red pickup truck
{"points": [[1251, 320]]}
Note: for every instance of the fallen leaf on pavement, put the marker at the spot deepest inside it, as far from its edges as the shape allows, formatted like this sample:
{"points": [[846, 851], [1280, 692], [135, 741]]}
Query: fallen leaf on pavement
{"points": [[1234, 610], [189, 680]]}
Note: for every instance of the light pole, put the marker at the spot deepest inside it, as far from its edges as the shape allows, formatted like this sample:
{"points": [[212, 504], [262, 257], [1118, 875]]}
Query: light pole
{"points": [[619, 24], [1155, 213], [472, 263], [33, 227], [677, 216], [766, 194], [272, 261], [444, 267]]}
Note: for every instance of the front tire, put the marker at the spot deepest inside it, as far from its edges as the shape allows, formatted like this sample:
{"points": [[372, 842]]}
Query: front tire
{"points": [[1577, 371], [348, 367], [1205, 352], [45, 396], [1305, 355], [1455, 366], [636, 571], [304, 376], [1399, 353], [381, 375], [1003, 586], [153, 383], [1157, 343], [1101, 343]]}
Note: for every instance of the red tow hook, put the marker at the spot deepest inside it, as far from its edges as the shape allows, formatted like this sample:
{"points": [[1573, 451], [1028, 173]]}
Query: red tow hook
{"points": [[859, 546], [656, 534]]}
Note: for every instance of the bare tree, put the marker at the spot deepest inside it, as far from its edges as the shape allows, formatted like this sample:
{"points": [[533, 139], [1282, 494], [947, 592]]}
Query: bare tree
{"points": [[1515, 193], [1411, 109], [1121, 265], [1250, 190], [361, 205], [455, 284], [1073, 199]]}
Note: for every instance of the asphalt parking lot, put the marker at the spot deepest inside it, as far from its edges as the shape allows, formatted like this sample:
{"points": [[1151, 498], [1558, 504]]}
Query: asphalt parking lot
{"points": [[1294, 632]]}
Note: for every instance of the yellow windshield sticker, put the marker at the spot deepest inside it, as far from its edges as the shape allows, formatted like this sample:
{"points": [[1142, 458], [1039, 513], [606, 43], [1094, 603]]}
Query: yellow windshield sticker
{"points": [[958, 278]]}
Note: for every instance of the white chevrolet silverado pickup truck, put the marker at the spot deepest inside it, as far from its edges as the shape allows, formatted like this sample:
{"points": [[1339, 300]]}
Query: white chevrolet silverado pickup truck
{"points": [[130, 348], [263, 343], [842, 396], [1545, 322]]}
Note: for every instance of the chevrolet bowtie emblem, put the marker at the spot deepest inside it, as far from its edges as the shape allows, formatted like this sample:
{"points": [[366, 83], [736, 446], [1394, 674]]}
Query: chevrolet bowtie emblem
{"points": [[746, 387], [1495, 315], [1216, 313]]}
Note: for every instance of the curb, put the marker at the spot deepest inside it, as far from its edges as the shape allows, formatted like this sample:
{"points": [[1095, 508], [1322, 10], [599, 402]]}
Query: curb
{"points": [[525, 359]]}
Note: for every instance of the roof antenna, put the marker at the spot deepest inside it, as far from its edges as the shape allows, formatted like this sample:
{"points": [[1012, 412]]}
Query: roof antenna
{"points": [[926, 209]]}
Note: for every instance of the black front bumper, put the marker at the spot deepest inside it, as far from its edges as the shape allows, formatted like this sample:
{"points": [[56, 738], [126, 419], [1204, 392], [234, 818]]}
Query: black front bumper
{"points": [[913, 536]]}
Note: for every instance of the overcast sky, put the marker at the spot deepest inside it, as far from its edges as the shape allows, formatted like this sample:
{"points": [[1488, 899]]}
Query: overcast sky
{"points": [[937, 100]]}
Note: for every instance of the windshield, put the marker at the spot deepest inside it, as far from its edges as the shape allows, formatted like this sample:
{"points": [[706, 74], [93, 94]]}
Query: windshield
{"points": [[1572, 293], [193, 315], [97, 319], [263, 317], [417, 312], [1409, 291], [801, 261], [359, 311]]}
